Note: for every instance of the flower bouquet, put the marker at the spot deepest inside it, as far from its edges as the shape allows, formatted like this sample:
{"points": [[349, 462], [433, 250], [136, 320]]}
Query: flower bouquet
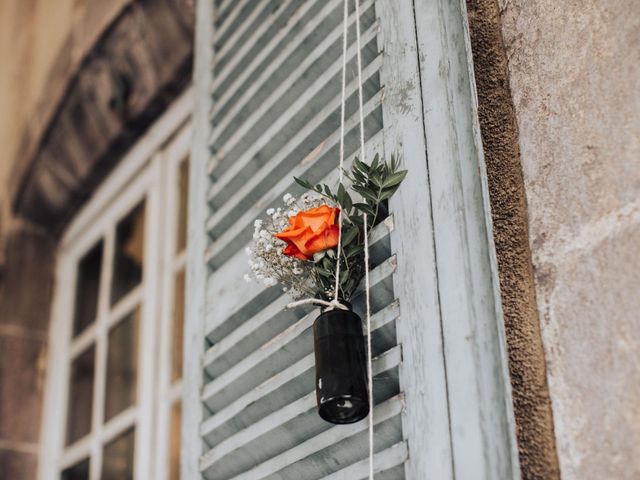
{"points": [[313, 246]]}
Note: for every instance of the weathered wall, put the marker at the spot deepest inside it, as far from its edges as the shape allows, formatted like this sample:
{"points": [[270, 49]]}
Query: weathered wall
{"points": [[530, 393], [41, 44], [575, 78]]}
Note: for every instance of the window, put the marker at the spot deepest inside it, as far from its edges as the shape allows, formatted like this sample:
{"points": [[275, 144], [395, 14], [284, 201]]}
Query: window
{"points": [[115, 371]]}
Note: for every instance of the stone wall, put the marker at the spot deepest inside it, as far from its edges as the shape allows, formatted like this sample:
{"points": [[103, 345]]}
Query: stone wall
{"points": [[574, 71]]}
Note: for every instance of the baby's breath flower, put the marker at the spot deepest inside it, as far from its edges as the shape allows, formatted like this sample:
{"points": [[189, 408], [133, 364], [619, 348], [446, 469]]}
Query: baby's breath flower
{"points": [[271, 211]]}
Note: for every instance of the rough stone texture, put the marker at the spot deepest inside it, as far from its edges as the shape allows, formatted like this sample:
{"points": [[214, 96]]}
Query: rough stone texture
{"points": [[25, 294], [574, 70], [140, 63], [18, 465], [534, 424]]}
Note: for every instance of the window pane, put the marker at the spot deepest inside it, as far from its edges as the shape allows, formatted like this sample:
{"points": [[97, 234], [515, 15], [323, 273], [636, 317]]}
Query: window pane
{"points": [[87, 288], [122, 365], [80, 401], [129, 253], [177, 326], [79, 471], [117, 463], [183, 199], [174, 442]]}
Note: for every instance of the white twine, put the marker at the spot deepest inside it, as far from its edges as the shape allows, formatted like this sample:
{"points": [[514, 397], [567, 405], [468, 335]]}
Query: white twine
{"points": [[366, 242], [335, 303], [369, 353], [345, 26]]}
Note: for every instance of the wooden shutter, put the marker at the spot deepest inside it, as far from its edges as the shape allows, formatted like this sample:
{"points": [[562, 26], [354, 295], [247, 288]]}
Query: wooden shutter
{"points": [[267, 109]]}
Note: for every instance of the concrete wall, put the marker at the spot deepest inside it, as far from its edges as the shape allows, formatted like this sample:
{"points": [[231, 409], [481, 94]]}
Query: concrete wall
{"points": [[574, 71]]}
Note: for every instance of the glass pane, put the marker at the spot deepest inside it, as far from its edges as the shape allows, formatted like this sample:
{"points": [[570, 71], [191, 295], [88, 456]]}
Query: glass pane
{"points": [[79, 471], [80, 401], [117, 463], [129, 253], [87, 288], [174, 442], [177, 326], [122, 365], [183, 199]]}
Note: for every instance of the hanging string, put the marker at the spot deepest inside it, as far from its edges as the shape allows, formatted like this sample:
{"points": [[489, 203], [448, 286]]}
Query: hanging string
{"points": [[335, 303], [345, 27], [369, 353]]}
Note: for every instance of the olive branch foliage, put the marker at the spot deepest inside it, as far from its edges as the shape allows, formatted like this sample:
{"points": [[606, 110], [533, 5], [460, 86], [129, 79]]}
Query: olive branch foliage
{"points": [[372, 186]]}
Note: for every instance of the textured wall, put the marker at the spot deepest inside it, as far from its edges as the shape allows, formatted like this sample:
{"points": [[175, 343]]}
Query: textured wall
{"points": [[531, 402], [575, 78], [42, 43]]}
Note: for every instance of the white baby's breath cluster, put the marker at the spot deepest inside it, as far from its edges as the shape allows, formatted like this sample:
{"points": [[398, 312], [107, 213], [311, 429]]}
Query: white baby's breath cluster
{"points": [[267, 262]]}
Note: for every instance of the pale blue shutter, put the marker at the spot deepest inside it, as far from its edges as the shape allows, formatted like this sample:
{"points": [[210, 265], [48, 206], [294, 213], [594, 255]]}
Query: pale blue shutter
{"points": [[268, 108]]}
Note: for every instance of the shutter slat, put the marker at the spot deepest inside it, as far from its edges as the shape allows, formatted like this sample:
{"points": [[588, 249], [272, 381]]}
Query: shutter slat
{"points": [[310, 168], [383, 338], [302, 411], [230, 17], [257, 13], [382, 462], [334, 104], [228, 311], [239, 171], [263, 76], [296, 339], [331, 437], [261, 81], [239, 55], [276, 114]]}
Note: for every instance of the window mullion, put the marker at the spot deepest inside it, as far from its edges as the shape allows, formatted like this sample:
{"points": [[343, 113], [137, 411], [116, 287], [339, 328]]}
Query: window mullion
{"points": [[101, 355]]}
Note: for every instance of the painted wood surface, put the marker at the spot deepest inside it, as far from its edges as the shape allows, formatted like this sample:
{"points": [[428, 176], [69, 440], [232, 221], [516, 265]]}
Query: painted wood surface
{"points": [[196, 268], [482, 425], [434, 284], [423, 375]]}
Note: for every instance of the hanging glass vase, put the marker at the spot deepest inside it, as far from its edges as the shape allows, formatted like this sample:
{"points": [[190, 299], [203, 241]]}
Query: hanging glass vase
{"points": [[341, 372]]}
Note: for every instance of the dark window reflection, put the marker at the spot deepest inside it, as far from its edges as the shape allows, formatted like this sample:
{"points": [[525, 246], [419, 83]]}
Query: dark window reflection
{"points": [[117, 463], [129, 254], [177, 329], [183, 198], [80, 402], [122, 366], [174, 442], [79, 471], [87, 288]]}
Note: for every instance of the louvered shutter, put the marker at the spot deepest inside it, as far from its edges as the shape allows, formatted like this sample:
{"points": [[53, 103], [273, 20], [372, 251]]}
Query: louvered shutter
{"points": [[272, 111]]}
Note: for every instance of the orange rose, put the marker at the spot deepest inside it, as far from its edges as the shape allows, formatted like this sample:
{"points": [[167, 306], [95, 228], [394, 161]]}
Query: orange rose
{"points": [[311, 231]]}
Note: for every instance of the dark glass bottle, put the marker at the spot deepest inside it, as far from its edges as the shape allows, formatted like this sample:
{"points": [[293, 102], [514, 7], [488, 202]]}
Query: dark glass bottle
{"points": [[341, 372]]}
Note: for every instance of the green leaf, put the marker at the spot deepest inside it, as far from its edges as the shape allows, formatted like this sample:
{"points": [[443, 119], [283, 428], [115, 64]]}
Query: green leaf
{"points": [[349, 234], [357, 220], [344, 199], [363, 207], [353, 250], [366, 193], [374, 164], [327, 263], [394, 179], [303, 183], [386, 194], [363, 167], [323, 272]]}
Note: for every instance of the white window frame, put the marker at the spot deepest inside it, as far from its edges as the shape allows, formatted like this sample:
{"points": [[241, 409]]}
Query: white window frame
{"points": [[143, 173]]}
